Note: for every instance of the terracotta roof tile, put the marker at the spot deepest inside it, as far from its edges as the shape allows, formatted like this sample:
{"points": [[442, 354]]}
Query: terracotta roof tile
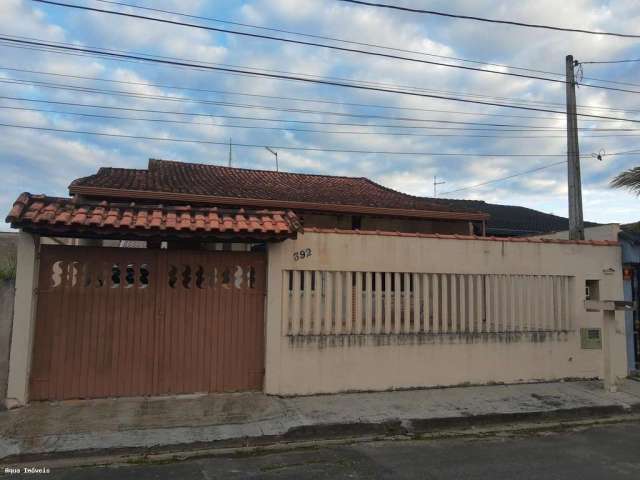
{"points": [[51, 215], [170, 177]]}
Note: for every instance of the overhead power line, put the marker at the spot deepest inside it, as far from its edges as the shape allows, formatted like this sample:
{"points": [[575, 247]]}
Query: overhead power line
{"points": [[199, 66], [353, 42], [283, 147], [322, 45], [502, 179], [490, 20], [275, 97], [632, 60], [326, 37], [306, 149], [462, 132], [180, 99], [308, 80], [262, 119], [255, 70]]}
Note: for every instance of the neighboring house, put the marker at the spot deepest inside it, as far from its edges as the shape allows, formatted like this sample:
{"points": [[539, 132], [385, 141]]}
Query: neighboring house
{"points": [[629, 237], [290, 284], [323, 201], [510, 220]]}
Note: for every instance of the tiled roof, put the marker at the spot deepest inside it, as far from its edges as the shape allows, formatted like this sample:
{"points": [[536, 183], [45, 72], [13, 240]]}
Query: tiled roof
{"points": [[44, 214], [170, 177], [511, 220]]}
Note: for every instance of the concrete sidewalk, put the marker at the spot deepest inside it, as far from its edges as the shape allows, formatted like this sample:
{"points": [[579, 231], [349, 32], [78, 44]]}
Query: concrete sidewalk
{"points": [[245, 419]]}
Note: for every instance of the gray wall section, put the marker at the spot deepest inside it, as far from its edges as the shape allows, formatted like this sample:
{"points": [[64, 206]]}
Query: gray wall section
{"points": [[7, 291]]}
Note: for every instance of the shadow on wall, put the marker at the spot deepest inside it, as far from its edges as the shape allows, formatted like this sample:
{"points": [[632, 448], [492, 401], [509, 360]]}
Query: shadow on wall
{"points": [[7, 291]]}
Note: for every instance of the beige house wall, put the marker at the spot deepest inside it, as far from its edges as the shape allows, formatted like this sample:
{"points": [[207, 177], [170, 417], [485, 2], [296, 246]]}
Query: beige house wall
{"points": [[388, 224], [309, 363], [599, 232]]}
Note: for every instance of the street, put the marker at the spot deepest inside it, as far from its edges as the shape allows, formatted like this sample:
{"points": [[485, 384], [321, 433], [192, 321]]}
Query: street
{"points": [[609, 452]]}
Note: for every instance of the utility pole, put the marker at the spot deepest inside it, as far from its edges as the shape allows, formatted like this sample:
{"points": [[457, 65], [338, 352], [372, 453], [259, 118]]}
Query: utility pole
{"points": [[230, 144], [576, 223], [435, 186], [275, 154]]}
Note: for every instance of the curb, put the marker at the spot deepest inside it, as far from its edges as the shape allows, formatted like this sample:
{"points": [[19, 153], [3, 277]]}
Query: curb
{"points": [[318, 434]]}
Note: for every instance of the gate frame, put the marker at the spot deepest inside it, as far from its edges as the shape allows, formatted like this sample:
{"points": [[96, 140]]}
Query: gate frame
{"points": [[25, 314]]}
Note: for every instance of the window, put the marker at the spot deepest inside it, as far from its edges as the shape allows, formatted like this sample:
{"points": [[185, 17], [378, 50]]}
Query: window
{"points": [[592, 290]]}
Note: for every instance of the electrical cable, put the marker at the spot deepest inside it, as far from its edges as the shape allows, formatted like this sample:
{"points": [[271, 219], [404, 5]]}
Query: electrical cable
{"points": [[321, 45], [323, 82], [283, 147], [564, 162], [489, 20]]}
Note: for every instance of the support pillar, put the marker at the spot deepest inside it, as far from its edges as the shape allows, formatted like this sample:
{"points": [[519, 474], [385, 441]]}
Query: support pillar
{"points": [[23, 319]]}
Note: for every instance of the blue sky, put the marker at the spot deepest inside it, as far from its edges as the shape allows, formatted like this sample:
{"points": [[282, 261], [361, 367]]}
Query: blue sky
{"points": [[46, 162]]}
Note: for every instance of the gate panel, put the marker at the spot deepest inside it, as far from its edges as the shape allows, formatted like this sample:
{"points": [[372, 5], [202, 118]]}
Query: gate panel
{"points": [[215, 305], [95, 306], [117, 322]]}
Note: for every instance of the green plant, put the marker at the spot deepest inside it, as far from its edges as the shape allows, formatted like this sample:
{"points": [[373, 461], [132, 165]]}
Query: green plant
{"points": [[629, 179], [8, 267]]}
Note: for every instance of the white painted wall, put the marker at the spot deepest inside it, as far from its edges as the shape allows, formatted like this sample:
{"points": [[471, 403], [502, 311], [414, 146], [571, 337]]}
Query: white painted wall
{"points": [[307, 364]]}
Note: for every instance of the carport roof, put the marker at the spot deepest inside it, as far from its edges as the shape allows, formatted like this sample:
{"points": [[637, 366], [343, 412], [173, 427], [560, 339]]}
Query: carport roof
{"points": [[70, 217]]}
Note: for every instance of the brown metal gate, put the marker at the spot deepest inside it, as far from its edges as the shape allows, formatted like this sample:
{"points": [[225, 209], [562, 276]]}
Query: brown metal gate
{"points": [[115, 322]]}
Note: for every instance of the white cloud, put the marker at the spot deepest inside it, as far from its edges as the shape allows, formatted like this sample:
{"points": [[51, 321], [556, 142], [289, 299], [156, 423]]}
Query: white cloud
{"points": [[62, 157]]}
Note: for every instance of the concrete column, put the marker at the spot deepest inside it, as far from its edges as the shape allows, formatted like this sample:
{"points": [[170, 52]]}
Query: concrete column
{"points": [[614, 353], [273, 315], [23, 320]]}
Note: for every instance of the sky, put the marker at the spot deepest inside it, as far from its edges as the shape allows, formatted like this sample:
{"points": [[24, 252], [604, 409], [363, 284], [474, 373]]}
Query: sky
{"points": [[226, 104]]}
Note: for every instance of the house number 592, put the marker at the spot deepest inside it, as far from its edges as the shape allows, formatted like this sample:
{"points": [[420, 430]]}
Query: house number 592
{"points": [[299, 255]]}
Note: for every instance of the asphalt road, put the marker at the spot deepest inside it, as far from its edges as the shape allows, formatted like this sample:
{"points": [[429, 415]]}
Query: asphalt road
{"points": [[599, 453]]}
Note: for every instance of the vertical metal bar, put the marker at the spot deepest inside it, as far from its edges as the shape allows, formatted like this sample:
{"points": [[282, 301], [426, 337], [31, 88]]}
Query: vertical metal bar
{"points": [[417, 294], [444, 306], [426, 304], [397, 296], [455, 303], [306, 309], [339, 289], [436, 282], [406, 307], [462, 298], [328, 304], [358, 303], [472, 305], [348, 302], [295, 308], [388, 296], [317, 301], [368, 302], [378, 310]]}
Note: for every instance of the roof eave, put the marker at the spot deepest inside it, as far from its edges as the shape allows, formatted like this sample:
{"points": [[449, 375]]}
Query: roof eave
{"points": [[334, 208]]}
